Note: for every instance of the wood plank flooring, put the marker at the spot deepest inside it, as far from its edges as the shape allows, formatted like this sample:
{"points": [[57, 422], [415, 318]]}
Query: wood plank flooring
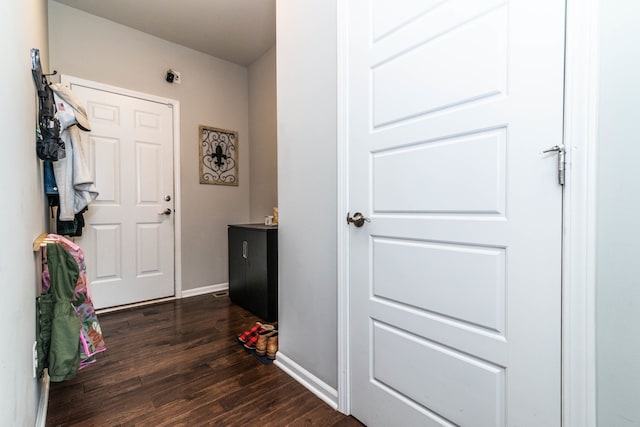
{"points": [[177, 363]]}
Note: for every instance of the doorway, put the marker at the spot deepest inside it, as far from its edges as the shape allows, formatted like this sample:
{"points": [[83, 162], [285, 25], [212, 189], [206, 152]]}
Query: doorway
{"points": [[130, 234], [456, 278]]}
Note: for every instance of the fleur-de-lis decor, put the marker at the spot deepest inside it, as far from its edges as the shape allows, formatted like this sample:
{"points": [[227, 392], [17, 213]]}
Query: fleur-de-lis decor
{"points": [[218, 156]]}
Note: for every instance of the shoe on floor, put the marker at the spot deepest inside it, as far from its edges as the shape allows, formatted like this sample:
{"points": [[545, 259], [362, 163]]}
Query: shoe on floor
{"points": [[272, 346], [257, 328], [261, 344]]}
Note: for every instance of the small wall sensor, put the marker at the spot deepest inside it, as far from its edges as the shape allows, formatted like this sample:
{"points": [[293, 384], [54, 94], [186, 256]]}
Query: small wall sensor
{"points": [[173, 76], [170, 76]]}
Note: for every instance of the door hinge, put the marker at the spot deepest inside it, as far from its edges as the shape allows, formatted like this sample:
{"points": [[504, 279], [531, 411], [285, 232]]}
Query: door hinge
{"points": [[560, 150]]}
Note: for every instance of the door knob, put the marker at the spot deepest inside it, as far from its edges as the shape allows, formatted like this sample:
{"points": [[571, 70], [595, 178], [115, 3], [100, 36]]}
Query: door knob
{"points": [[357, 219], [165, 212]]}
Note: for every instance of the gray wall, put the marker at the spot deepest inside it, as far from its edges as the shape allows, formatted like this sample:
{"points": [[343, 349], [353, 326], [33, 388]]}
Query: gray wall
{"points": [[618, 217], [263, 191], [306, 81], [23, 25], [213, 92]]}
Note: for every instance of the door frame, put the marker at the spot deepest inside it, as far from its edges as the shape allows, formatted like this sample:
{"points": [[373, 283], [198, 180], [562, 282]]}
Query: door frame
{"points": [[578, 252], [579, 220], [177, 217]]}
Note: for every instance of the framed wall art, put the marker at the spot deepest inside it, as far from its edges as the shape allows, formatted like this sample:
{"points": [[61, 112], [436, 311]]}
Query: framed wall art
{"points": [[218, 156]]}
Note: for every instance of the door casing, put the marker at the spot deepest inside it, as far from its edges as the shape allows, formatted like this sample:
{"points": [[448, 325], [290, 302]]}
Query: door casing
{"points": [[175, 105], [578, 275]]}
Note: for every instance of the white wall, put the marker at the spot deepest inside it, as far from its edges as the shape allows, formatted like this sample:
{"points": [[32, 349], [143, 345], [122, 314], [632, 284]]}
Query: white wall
{"points": [[213, 92], [618, 217], [23, 25], [263, 136], [306, 85]]}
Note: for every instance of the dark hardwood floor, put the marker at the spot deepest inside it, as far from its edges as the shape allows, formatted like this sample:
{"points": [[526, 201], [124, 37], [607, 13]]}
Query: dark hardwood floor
{"points": [[177, 363]]}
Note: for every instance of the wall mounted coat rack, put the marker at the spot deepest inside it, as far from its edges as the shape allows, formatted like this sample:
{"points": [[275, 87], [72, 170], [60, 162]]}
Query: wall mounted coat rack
{"points": [[49, 146]]}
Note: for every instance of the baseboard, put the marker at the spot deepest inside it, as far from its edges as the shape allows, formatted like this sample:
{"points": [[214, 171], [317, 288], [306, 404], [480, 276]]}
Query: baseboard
{"points": [[315, 385], [43, 403], [186, 293]]}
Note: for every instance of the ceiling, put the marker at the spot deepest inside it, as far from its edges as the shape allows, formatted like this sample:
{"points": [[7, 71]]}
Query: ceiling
{"points": [[238, 31]]}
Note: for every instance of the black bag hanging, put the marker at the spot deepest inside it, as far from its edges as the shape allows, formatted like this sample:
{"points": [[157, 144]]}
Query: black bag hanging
{"points": [[49, 146]]}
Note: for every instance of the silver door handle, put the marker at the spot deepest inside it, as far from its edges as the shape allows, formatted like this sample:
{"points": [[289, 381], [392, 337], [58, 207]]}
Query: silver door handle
{"points": [[165, 212], [357, 219]]}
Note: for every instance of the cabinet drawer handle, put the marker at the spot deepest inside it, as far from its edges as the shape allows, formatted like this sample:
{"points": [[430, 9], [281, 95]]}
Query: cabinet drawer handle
{"points": [[245, 247]]}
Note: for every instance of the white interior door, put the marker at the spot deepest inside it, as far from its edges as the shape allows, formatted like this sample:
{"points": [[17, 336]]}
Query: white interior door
{"points": [[455, 282], [129, 239]]}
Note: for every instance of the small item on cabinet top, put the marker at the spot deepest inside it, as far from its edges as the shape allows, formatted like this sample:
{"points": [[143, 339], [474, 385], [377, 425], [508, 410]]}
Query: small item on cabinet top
{"points": [[268, 220], [275, 216]]}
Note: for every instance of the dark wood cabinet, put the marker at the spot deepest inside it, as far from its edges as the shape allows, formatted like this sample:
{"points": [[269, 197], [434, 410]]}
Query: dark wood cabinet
{"points": [[253, 269]]}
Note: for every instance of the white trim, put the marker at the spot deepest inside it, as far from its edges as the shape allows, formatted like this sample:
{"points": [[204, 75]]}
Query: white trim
{"points": [[342, 191], [134, 305], [177, 202], [315, 385], [187, 293], [66, 79], [43, 403], [580, 122], [177, 195]]}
